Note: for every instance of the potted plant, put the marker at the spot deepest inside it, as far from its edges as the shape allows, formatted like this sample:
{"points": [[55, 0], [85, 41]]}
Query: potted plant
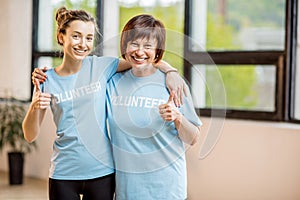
{"points": [[12, 113]]}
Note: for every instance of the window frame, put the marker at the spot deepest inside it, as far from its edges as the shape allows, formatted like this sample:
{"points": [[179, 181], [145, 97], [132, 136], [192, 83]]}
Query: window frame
{"points": [[292, 16], [283, 60]]}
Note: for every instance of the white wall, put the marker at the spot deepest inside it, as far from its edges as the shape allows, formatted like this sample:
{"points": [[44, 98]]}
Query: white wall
{"points": [[15, 75], [252, 160], [15, 48]]}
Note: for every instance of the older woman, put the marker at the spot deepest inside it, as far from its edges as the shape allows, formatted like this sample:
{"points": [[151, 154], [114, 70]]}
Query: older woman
{"points": [[147, 130]]}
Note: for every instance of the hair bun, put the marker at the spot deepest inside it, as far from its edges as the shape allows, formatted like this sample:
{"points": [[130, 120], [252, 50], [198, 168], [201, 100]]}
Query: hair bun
{"points": [[60, 14]]}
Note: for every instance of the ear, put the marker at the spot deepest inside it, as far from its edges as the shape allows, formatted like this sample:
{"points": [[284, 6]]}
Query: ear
{"points": [[156, 56], [60, 38]]}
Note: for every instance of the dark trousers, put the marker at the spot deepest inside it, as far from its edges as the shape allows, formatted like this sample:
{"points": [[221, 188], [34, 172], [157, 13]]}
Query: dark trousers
{"points": [[102, 188]]}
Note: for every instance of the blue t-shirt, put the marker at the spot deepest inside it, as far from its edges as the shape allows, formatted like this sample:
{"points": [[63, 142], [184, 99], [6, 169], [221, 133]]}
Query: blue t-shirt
{"points": [[82, 148], [149, 156]]}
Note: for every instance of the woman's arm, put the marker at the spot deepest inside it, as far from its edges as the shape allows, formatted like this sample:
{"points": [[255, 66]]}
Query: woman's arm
{"points": [[35, 114], [188, 132], [174, 81], [123, 65]]}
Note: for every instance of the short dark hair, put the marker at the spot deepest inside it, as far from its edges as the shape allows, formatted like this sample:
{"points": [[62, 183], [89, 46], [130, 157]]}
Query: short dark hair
{"points": [[144, 26]]}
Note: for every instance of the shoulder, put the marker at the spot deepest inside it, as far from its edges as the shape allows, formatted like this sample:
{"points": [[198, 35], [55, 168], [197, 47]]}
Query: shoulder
{"points": [[50, 71], [103, 59], [159, 76], [109, 64], [160, 73], [120, 75]]}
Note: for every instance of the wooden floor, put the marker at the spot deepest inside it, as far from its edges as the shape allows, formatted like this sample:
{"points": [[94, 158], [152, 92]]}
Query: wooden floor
{"points": [[31, 189]]}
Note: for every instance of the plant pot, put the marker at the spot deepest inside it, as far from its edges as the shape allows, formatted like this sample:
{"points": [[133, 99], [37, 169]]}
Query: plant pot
{"points": [[16, 166]]}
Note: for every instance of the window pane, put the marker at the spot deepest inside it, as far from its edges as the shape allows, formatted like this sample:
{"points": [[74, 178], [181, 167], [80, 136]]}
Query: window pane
{"points": [[237, 25], [49, 62], [170, 12], [243, 87], [47, 23]]}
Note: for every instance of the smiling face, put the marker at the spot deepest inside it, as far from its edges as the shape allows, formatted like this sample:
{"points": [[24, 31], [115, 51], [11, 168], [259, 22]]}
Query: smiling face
{"points": [[140, 30], [140, 53], [78, 40]]}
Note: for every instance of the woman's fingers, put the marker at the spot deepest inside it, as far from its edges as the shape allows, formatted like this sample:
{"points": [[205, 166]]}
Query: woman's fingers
{"points": [[39, 74], [42, 100], [167, 112]]}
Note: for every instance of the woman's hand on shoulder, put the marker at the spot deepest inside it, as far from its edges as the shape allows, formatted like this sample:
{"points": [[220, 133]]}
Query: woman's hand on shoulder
{"points": [[177, 86], [39, 74]]}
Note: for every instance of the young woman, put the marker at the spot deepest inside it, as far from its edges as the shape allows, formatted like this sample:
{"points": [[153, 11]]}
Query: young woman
{"points": [[81, 163], [148, 131]]}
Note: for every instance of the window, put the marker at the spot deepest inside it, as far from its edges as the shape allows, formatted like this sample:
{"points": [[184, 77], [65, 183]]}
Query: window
{"points": [[237, 53], [246, 87], [241, 59]]}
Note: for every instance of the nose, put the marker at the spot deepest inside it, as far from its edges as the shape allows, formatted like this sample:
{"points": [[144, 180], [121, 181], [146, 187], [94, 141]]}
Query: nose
{"points": [[82, 42], [140, 50]]}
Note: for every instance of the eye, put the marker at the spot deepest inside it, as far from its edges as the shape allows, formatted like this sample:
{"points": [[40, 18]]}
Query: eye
{"points": [[148, 46], [90, 39], [76, 36], [134, 44]]}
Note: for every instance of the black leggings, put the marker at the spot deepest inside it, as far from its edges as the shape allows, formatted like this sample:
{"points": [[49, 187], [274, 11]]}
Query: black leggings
{"points": [[102, 188]]}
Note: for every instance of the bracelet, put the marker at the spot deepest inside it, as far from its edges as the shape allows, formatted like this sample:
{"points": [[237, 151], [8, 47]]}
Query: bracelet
{"points": [[171, 70]]}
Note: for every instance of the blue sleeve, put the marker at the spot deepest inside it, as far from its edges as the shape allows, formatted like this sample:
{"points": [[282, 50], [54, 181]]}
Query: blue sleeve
{"points": [[113, 82], [110, 65], [44, 85]]}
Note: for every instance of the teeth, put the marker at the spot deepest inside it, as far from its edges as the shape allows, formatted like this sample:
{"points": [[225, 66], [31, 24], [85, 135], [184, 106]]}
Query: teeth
{"points": [[139, 59], [80, 51]]}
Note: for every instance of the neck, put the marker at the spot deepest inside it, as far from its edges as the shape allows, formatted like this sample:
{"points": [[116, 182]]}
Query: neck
{"points": [[68, 67], [143, 71]]}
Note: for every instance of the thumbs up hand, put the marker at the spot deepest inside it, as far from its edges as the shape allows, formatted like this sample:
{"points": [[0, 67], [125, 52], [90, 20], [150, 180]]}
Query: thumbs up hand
{"points": [[168, 111], [40, 100]]}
